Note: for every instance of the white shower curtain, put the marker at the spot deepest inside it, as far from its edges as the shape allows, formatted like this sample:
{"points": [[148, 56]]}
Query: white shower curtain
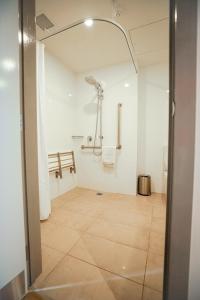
{"points": [[45, 202]]}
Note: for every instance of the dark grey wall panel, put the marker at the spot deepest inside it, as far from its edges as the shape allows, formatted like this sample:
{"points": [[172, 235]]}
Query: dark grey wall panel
{"points": [[182, 140]]}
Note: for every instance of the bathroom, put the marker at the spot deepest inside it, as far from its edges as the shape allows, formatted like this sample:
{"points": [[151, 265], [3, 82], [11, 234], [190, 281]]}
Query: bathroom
{"points": [[102, 122]]}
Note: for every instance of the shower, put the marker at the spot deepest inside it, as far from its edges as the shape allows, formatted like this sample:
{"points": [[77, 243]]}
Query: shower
{"points": [[98, 126]]}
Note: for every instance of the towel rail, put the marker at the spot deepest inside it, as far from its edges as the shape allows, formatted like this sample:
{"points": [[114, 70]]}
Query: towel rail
{"points": [[61, 160]]}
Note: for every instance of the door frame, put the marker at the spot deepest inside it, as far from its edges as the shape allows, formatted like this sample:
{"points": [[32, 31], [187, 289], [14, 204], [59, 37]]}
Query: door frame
{"points": [[29, 141], [181, 145], [183, 44]]}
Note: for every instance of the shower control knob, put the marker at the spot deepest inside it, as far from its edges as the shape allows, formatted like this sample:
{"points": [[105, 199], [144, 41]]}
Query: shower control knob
{"points": [[89, 138]]}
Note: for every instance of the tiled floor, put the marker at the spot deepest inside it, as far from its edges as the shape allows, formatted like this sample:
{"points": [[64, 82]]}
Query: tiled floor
{"points": [[103, 247]]}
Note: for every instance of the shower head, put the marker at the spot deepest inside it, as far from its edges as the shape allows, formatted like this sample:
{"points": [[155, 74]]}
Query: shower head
{"points": [[91, 80]]}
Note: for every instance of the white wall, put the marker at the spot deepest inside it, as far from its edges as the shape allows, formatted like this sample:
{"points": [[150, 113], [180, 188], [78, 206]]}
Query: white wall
{"points": [[153, 122], [12, 237], [60, 83], [67, 116], [144, 124], [91, 172]]}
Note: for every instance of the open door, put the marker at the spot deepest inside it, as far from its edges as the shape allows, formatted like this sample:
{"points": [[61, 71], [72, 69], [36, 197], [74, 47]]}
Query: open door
{"points": [[183, 22]]}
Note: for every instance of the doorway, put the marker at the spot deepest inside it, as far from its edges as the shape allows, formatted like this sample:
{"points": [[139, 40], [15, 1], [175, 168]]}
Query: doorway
{"points": [[112, 114], [84, 259]]}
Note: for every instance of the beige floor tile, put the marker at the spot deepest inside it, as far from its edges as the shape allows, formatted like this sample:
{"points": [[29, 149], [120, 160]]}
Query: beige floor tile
{"points": [[154, 272], [159, 212], [132, 236], [119, 259], [50, 258], [157, 199], [64, 198], [117, 234], [122, 288], [158, 225], [129, 206], [46, 228], [83, 281], [84, 206], [157, 243], [59, 237], [127, 218], [149, 294], [34, 296], [74, 193], [71, 219], [58, 202]]}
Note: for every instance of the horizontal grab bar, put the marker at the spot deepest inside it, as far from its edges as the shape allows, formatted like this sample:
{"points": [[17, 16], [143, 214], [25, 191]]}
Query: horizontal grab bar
{"points": [[77, 136], [97, 147]]}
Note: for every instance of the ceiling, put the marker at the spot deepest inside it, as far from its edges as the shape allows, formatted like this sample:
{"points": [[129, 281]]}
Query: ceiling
{"points": [[82, 49]]}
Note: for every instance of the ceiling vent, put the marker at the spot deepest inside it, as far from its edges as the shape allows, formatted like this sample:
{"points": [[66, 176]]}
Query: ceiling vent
{"points": [[43, 22]]}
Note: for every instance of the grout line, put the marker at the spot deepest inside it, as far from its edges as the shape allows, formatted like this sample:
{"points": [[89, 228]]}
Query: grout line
{"points": [[116, 242], [64, 256], [123, 224], [49, 271], [106, 270], [148, 24], [145, 271]]}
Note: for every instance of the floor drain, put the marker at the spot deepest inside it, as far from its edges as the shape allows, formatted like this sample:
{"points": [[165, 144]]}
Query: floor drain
{"points": [[99, 194]]}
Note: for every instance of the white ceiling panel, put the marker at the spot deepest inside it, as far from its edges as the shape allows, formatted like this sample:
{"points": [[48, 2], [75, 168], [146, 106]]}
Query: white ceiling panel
{"points": [[152, 58], [136, 13], [153, 37], [65, 12], [80, 49], [83, 48]]}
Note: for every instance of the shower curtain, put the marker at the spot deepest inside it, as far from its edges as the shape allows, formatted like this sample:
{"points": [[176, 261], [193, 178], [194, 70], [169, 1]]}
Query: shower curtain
{"points": [[44, 193]]}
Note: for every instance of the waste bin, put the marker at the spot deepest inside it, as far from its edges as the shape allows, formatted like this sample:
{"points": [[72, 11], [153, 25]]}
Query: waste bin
{"points": [[144, 185]]}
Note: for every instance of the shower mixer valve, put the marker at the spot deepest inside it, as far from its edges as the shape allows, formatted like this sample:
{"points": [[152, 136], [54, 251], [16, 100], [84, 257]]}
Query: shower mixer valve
{"points": [[89, 138]]}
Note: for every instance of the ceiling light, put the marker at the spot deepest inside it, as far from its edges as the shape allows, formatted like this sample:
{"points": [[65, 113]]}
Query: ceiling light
{"points": [[167, 91], [88, 22], [69, 95], [126, 84]]}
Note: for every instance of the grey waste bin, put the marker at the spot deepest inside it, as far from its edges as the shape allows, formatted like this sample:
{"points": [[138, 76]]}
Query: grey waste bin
{"points": [[144, 185]]}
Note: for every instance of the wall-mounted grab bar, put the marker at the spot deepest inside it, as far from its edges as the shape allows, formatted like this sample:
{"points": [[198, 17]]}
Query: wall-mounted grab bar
{"points": [[61, 160], [119, 146], [96, 147], [77, 136]]}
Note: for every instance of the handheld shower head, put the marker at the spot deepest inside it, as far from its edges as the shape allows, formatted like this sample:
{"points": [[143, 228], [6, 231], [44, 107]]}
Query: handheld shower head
{"points": [[91, 80]]}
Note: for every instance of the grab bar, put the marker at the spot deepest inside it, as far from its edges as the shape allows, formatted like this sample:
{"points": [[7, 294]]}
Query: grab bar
{"points": [[119, 146]]}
